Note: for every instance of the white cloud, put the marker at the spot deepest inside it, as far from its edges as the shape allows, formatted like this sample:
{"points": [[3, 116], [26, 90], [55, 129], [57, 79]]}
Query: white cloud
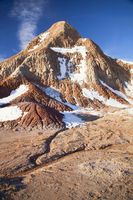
{"points": [[28, 13]]}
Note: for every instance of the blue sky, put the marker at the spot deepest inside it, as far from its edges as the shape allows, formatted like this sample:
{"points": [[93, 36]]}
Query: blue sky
{"points": [[107, 22]]}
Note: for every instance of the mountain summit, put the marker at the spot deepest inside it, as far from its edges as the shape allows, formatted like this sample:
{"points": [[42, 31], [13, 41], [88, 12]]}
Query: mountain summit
{"points": [[60, 71]]}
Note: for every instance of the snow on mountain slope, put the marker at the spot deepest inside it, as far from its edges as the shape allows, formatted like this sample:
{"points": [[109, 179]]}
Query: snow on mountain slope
{"points": [[78, 49], [10, 113], [119, 93], [79, 77], [72, 120], [92, 94], [14, 94], [129, 89], [63, 68], [55, 94]]}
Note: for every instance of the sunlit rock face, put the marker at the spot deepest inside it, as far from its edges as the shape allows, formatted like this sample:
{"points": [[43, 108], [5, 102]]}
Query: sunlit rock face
{"points": [[63, 72]]}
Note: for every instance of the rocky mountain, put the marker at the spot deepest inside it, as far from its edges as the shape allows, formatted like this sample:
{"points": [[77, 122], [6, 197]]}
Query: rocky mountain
{"points": [[65, 121], [58, 74]]}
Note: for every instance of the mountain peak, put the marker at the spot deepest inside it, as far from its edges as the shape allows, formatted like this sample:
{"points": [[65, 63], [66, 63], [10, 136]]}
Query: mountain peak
{"points": [[62, 25], [59, 34], [72, 70]]}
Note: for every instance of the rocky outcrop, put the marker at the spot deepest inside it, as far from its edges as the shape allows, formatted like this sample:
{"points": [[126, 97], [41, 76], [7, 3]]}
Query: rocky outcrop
{"points": [[40, 117], [34, 117]]}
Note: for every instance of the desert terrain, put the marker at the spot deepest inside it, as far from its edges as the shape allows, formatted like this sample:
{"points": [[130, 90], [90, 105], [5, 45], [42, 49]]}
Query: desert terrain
{"points": [[94, 161]]}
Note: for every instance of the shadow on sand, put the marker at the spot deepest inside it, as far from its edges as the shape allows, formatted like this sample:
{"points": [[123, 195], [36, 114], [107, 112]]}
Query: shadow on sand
{"points": [[8, 186]]}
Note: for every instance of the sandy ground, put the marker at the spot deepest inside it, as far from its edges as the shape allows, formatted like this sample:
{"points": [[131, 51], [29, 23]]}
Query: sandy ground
{"points": [[94, 161]]}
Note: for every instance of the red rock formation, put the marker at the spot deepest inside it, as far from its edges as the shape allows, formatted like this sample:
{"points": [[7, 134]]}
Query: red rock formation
{"points": [[40, 116], [35, 116]]}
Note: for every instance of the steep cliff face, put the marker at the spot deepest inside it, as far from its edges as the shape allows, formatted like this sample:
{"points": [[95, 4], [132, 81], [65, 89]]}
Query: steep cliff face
{"points": [[60, 64]]}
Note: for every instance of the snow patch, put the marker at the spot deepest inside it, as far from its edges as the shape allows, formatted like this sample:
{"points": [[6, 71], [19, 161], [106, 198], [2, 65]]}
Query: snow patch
{"points": [[81, 76], [79, 117], [10, 113], [129, 89], [78, 49], [114, 103], [118, 93], [52, 92], [63, 68], [92, 94], [72, 120], [14, 94], [55, 94]]}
